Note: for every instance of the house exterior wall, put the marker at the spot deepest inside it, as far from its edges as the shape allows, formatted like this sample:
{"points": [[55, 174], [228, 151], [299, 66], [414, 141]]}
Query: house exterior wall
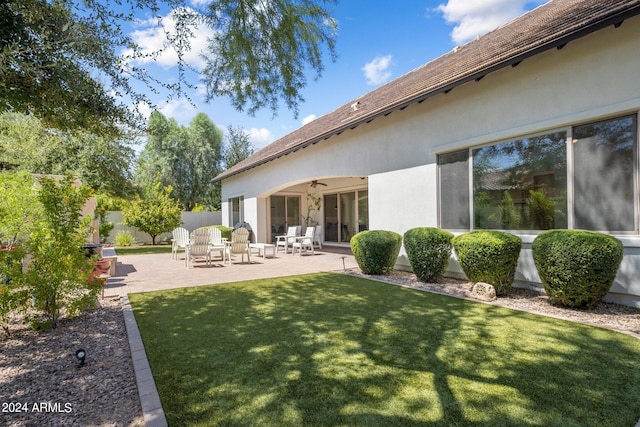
{"points": [[589, 79]]}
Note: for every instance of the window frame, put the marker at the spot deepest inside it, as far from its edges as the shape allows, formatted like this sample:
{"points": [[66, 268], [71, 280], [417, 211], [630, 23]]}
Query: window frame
{"points": [[570, 168]]}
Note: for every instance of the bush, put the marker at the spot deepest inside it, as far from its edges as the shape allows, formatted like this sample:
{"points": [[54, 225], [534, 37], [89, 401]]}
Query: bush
{"points": [[576, 267], [225, 232], [124, 238], [376, 251], [428, 250], [489, 256]]}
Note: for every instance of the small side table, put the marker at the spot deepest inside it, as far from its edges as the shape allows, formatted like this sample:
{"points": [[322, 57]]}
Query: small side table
{"points": [[262, 248]]}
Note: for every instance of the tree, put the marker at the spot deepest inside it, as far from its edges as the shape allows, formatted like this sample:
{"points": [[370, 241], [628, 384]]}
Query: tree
{"points": [[57, 278], [71, 62], [100, 162], [238, 146], [155, 213], [262, 49], [185, 158]]}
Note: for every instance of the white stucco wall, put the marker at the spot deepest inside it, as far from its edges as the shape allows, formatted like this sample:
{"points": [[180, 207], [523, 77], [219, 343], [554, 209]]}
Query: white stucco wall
{"points": [[589, 79]]}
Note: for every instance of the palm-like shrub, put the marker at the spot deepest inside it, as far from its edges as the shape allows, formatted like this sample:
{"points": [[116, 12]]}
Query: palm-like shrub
{"points": [[428, 250], [576, 267], [489, 256], [376, 251]]}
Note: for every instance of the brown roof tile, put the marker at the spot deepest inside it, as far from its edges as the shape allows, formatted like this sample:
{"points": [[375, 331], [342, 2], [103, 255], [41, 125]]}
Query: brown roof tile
{"points": [[550, 25]]}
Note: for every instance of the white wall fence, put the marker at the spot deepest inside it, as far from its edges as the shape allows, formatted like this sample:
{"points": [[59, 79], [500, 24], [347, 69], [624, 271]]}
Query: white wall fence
{"points": [[190, 221]]}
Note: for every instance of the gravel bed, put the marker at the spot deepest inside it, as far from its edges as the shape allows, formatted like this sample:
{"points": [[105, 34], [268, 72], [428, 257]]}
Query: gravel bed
{"points": [[41, 383], [605, 315]]}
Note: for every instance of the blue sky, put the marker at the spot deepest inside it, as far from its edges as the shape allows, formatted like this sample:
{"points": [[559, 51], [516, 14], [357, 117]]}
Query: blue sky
{"points": [[377, 42]]}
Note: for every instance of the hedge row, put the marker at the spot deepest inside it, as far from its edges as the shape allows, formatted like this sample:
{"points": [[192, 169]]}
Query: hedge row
{"points": [[576, 267]]}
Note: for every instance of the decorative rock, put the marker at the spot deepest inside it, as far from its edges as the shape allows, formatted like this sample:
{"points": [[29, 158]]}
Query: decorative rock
{"points": [[483, 291]]}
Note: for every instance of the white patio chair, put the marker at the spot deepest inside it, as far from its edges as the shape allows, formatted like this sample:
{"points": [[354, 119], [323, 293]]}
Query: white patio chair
{"points": [[198, 246], [179, 241], [304, 243], [239, 244], [317, 237], [216, 244], [288, 239]]}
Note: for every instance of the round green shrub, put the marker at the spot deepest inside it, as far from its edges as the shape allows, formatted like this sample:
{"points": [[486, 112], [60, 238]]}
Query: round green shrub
{"points": [[576, 267], [489, 256], [428, 250], [376, 251]]}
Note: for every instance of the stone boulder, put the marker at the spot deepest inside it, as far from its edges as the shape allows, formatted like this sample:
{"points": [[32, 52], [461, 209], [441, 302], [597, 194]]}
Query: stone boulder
{"points": [[483, 291]]}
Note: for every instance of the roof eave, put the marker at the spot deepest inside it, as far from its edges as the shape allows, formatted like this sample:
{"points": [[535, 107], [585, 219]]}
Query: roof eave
{"points": [[560, 42]]}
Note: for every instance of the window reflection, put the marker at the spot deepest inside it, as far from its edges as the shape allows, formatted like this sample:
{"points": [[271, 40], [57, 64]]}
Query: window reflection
{"points": [[521, 184]]}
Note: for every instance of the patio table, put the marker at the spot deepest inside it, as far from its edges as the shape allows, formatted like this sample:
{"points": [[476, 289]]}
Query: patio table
{"points": [[262, 247]]}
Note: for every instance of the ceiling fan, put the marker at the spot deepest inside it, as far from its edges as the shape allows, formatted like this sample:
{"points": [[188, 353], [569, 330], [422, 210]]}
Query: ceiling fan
{"points": [[315, 183]]}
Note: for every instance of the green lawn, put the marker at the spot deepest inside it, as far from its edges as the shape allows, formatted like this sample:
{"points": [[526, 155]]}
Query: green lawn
{"points": [[144, 250], [329, 349]]}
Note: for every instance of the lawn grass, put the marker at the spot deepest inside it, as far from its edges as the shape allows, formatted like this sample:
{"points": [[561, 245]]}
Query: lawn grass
{"points": [[143, 249], [330, 349]]}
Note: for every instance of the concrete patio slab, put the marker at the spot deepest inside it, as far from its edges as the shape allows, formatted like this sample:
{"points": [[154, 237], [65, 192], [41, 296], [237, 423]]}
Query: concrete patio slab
{"points": [[144, 273]]}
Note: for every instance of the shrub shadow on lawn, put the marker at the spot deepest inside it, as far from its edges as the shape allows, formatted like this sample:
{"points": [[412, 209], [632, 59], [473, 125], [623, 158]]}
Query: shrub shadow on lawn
{"points": [[329, 349]]}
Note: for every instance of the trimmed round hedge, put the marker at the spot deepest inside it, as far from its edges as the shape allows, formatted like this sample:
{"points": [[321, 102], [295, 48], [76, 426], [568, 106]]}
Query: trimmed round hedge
{"points": [[576, 267], [428, 250], [376, 251], [489, 256]]}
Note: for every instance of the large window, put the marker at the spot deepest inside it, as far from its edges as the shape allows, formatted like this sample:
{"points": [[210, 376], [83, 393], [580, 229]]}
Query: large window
{"points": [[524, 184], [521, 184], [454, 190], [604, 175]]}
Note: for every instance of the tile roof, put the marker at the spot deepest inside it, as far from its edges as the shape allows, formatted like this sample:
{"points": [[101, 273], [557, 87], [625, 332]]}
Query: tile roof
{"points": [[548, 26]]}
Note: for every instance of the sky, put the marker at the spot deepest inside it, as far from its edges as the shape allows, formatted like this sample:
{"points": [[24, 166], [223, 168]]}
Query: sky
{"points": [[377, 41]]}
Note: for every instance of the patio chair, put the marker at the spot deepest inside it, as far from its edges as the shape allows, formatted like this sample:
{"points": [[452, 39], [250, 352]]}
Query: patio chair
{"points": [[239, 244], [179, 241], [216, 244], [198, 246], [288, 239], [305, 242], [317, 237]]}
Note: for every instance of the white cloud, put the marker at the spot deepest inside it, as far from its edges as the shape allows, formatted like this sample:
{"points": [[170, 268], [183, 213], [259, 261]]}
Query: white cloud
{"points": [[476, 17], [309, 119], [377, 71], [260, 138], [152, 37]]}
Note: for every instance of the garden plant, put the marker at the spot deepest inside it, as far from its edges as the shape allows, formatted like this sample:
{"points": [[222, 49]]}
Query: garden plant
{"points": [[576, 267], [428, 250], [489, 256], [376, 251]]}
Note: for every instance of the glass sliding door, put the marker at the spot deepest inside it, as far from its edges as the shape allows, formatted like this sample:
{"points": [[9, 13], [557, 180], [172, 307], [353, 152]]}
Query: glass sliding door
{"points": [[345, 214], [348, 216], [285, 212], [363, 210], [331, 218]]}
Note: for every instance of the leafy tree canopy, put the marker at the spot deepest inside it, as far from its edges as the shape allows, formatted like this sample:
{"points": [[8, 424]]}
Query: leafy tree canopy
{"points": [[154, 214], [100, 162], [72, 62], [186, 158], [238, 146]]}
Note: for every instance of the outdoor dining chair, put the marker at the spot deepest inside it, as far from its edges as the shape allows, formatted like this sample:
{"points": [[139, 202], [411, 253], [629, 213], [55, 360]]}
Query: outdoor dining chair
{"points": [[216, 244], [239, 244], [305, 242], [198, 246], [179, 241], [288, 239]]}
